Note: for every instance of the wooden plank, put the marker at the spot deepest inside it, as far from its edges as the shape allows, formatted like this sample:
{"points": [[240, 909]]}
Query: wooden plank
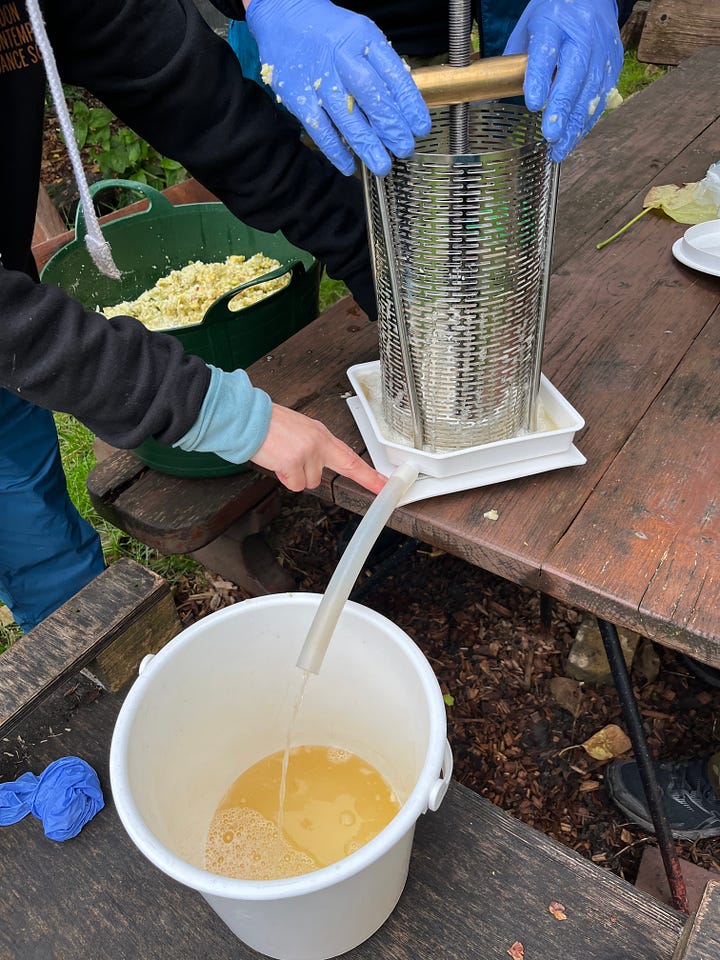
{"points": [[48, 222], [632, 29], [479, 880], [172, 514], [701, 938], [643, 551], [676, 29], [126, 600], [117, 664]]}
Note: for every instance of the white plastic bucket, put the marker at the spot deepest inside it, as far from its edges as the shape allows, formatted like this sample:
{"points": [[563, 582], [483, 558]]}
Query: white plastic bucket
{"points": [[218, 698]]}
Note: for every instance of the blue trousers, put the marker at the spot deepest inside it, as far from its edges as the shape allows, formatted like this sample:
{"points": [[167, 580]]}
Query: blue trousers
{"points": [[47, 551]]}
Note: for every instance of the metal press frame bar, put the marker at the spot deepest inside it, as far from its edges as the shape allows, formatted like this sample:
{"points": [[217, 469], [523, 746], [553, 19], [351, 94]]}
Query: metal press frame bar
{"points": [[618, 667], [498, 77]]}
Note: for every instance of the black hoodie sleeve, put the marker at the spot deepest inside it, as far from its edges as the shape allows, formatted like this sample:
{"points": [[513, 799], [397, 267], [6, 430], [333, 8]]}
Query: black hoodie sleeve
{"points": [[162, 70], [124, 382]]}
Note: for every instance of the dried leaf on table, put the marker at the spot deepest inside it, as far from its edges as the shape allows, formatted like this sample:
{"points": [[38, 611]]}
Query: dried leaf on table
{"points": [[557, 910], [611, 741], [517, 951], [680, 203]]}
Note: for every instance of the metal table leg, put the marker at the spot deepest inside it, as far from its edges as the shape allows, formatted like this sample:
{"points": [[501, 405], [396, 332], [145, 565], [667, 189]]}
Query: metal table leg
{"points": [[665, 840]]}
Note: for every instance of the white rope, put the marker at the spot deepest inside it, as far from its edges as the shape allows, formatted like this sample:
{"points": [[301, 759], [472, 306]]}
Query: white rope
{"points": [[96, 243]]}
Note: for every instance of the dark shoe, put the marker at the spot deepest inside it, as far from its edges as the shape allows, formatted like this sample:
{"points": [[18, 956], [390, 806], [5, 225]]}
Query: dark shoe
{"points": [[692, 804]]}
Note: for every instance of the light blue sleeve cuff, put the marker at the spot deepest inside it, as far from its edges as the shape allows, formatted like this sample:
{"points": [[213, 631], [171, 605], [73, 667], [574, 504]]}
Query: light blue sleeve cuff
{"points": [[234, 418]]}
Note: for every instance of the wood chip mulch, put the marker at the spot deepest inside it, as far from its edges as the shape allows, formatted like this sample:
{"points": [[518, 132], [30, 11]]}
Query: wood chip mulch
{"points": [[495, 660]]}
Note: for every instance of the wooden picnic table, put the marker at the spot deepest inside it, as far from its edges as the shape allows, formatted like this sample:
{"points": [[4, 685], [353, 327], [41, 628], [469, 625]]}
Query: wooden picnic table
{"points": [[632, 341]]}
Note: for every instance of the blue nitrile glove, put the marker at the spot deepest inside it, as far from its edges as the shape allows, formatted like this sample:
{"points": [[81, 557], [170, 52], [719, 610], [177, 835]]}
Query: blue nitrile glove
{"points": [[233, 420], [16, 798], [324, 62], [581, 39], [64, 797]]}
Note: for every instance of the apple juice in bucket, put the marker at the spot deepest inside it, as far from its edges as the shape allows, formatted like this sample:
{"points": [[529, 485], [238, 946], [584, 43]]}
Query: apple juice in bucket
{"points": [[334, 803]]}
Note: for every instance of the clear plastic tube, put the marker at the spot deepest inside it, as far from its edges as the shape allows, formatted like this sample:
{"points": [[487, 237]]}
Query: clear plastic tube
{"points": [[350, 565]]}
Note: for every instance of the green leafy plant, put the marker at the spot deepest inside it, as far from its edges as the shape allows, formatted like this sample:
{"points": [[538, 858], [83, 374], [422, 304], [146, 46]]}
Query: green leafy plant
{"points": [[636, 75], [331, 291], [119, 151]]}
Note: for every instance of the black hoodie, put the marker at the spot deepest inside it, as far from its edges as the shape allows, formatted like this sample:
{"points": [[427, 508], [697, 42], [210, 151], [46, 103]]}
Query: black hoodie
{"points": [[162, 70]]}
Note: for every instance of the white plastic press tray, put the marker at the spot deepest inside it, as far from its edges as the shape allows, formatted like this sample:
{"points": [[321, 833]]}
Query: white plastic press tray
{"points": [[548, 449], [699, 247]]}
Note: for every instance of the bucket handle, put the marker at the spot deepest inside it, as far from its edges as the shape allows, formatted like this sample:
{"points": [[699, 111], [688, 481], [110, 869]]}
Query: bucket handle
{"points": [[145, 662], [219, 311], [156, 200], [440, 787]]}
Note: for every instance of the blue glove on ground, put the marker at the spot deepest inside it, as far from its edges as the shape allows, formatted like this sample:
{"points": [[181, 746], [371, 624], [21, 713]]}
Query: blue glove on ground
{"points": [[324, 62], [233, 420], [582, 40], [64, 797]]}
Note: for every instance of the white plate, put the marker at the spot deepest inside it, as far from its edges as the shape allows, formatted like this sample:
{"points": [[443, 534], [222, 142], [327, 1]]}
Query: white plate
{"points": [[426, 487], [699, 247], [365, 379]]}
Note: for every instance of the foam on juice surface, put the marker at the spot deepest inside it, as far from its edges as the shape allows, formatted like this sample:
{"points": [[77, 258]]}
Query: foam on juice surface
{"points": [[335, 802]]}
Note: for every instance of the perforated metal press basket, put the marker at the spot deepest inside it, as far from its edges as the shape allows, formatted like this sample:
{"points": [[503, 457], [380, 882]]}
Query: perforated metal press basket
{"points": [[470, 236]]}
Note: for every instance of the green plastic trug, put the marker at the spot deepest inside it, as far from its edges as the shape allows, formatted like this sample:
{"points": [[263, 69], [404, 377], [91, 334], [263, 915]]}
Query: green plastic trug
{"points": [[148, 245]]}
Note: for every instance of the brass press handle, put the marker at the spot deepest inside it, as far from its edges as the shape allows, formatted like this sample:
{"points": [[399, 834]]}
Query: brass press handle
{"points": [[488, 79]]}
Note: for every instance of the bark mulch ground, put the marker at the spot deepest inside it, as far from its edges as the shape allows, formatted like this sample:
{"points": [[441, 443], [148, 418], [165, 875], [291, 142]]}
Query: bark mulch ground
{"points": [[485, 639]]}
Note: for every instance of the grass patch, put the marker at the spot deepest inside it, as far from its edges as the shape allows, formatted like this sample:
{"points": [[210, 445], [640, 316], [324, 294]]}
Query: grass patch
{"points": [[634, 75], [331, 291], [78, 460], [9, 632]]}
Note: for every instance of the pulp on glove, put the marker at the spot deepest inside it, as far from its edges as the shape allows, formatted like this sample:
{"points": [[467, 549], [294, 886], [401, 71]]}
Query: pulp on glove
{"points": [[574, 58], [337, 73]]}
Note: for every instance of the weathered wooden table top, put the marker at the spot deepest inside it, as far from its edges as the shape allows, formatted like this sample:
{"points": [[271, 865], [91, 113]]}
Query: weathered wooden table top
{"points": [[632, 341]]}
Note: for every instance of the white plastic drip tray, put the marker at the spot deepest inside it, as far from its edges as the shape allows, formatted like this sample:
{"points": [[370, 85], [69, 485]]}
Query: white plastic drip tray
{"points": [[548, 449]]}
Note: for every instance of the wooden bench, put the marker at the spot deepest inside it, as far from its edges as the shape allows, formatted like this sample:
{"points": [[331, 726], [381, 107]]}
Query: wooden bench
{"points": [[109, 625], [701, 936], [676, 29]]}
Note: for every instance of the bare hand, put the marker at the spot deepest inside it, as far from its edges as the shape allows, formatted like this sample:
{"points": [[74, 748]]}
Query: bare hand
{"points": [[297, 448]]}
